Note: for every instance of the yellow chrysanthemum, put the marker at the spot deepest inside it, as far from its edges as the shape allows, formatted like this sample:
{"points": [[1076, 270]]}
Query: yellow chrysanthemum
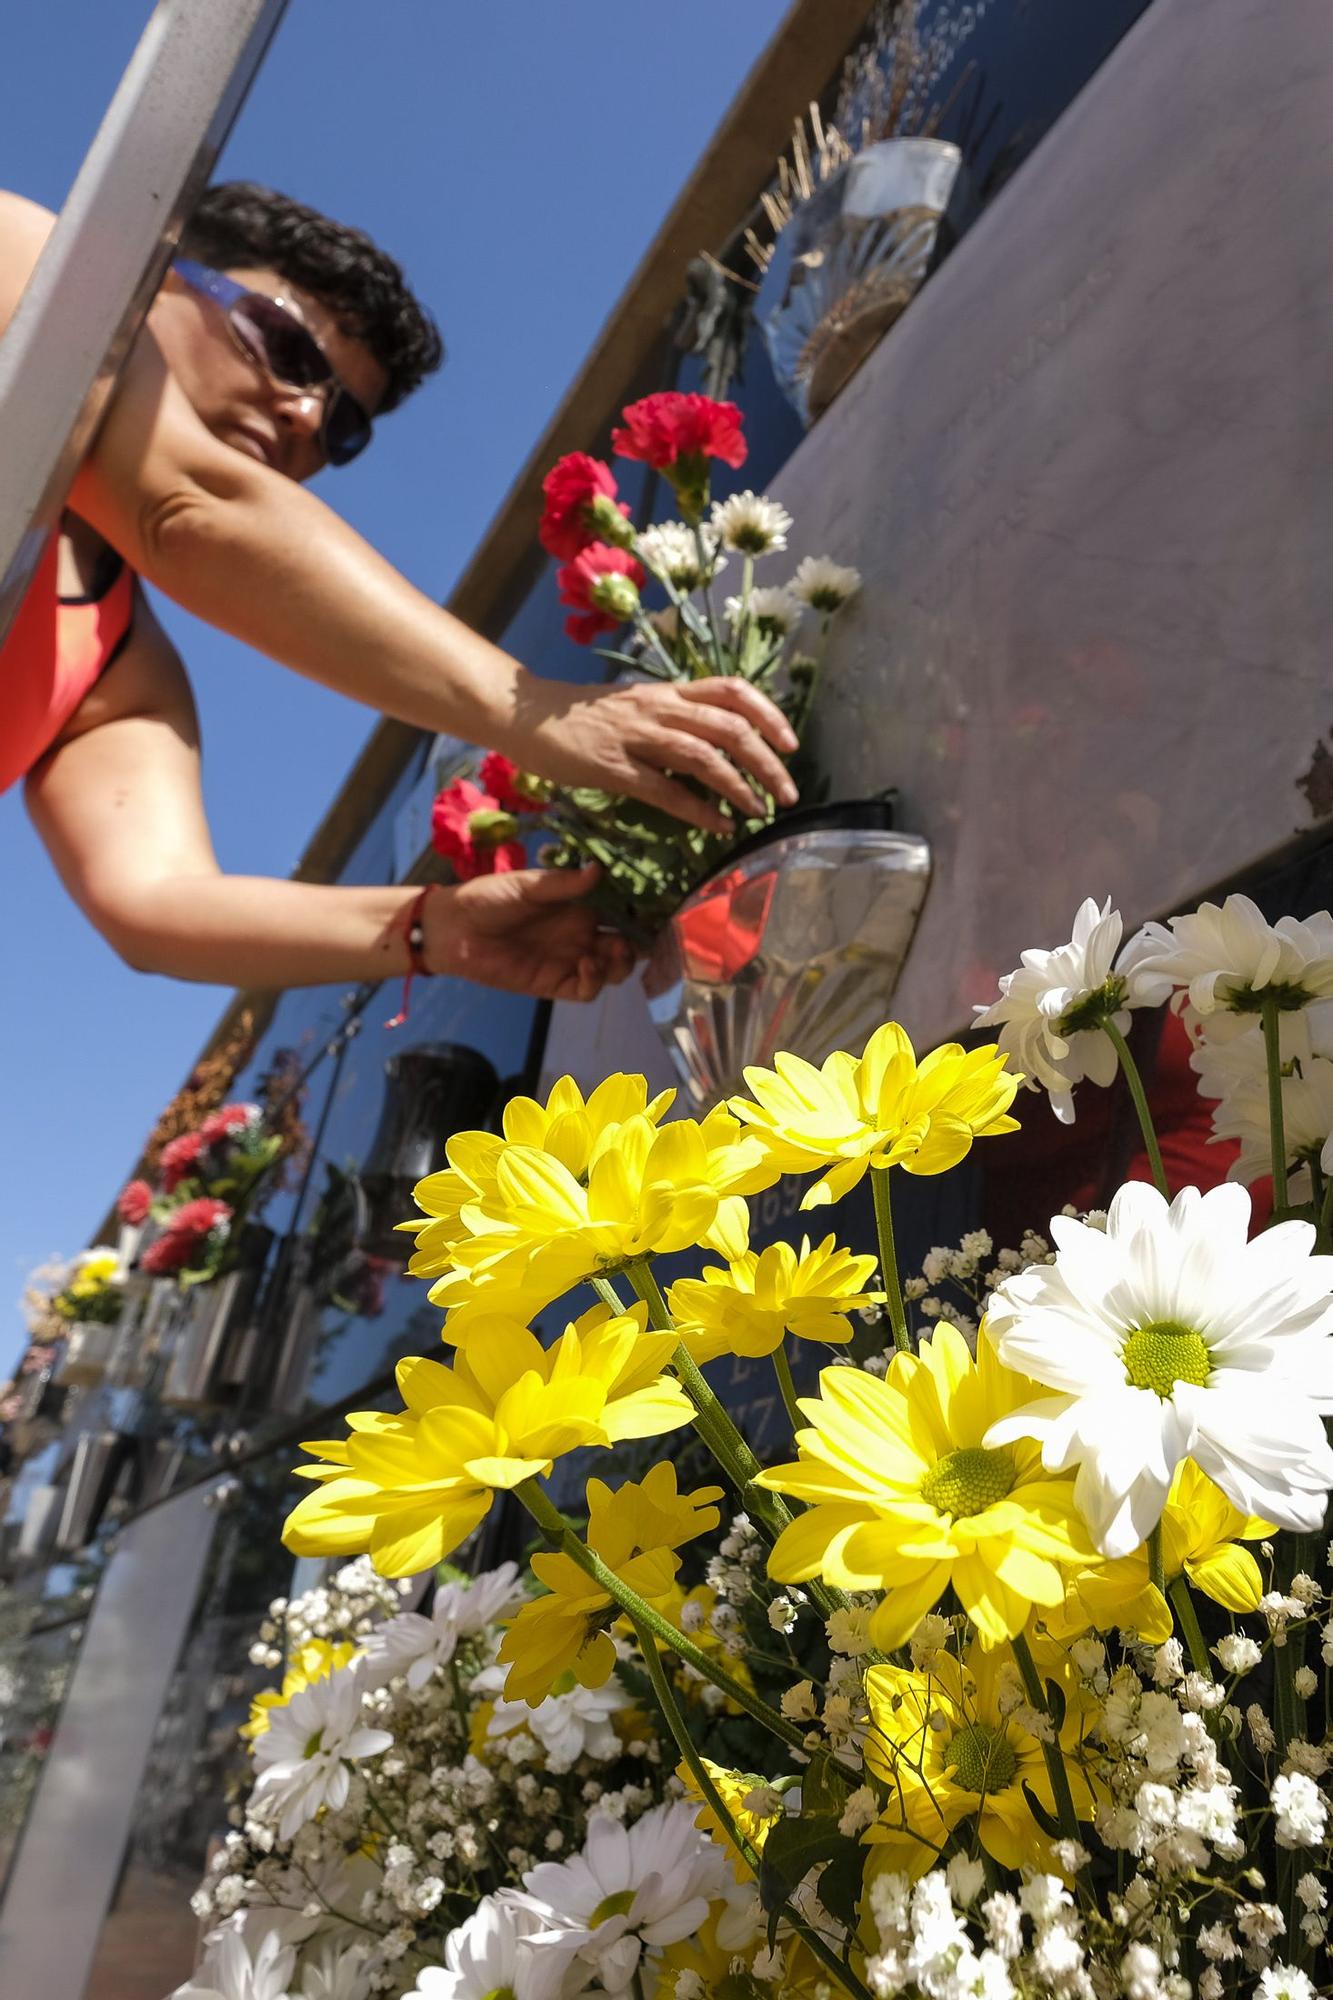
{"points": [[749, 1305], [949, 1755], [314, 1661], [95, 1273], [635, 1529], [1201, 1540], [733, 1788], [526, 1227], [883, 1109], [409, 1488], [905, 1497], [567, 1127]]}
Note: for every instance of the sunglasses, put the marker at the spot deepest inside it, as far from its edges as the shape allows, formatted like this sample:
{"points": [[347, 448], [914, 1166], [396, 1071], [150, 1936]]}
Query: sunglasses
{"points": [[270, 334]]}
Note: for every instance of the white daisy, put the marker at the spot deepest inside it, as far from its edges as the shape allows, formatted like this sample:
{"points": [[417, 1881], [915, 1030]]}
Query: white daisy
{"points": [[1232, 1067], [750, 524], [824, 584], [418, 1647], [632, 1889], [773, 610], [1049, 1009], [336, 1973], [486, 1956], [230, 1972], [1230, 956], [1168, 1336], [305, 1755], [670, 550], [567, 1726]]}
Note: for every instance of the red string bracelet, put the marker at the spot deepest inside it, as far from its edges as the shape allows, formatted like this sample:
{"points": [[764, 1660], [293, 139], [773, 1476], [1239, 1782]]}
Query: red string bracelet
{"points": [[414, 931]]}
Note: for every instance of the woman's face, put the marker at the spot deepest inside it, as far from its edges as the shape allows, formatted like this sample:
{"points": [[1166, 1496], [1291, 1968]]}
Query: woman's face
{"points": [[240, 403]]}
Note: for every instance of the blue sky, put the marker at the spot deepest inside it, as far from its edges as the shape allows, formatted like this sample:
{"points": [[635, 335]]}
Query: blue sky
{"points": [[516, 158]]}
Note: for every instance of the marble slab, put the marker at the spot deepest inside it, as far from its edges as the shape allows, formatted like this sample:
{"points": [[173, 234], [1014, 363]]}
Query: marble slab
{"points": [[1089, 480]]}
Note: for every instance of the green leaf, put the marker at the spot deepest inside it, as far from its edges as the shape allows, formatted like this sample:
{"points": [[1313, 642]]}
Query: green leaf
{"points": [[1055, 1702], [841, 1883], [1045, 1820], [824, 1788], [792, 1849]]}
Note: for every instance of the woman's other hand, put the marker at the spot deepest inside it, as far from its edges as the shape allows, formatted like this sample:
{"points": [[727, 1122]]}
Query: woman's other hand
{"points": [[525, 932]]}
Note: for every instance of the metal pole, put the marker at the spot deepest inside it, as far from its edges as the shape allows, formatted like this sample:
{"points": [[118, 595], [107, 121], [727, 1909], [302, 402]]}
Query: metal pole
{"points": [[104, 260]]}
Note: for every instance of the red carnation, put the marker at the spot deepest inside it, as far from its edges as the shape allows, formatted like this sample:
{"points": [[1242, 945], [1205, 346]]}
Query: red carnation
{"points": [[231, 1118], [136, 1198], [581, 504], [514, 790], [179, 1158], [474, 832], [678, 434], [602, 586], [187, 1229]]}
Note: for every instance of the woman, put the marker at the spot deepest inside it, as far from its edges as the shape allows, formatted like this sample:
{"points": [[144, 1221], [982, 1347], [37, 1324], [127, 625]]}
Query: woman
{"points": [[278, 336]]}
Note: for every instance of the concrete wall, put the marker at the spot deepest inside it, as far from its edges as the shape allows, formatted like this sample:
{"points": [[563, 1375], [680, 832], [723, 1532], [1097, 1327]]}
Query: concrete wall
{"points": [[1089, 481]]}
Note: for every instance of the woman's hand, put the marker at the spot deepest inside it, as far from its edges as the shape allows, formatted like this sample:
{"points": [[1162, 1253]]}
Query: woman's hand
{"points": [[628, 739], [526, 932]]}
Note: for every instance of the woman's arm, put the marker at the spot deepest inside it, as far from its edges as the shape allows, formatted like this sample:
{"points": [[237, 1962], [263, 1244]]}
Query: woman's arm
{"points": [[118, 803], [253, 553]]}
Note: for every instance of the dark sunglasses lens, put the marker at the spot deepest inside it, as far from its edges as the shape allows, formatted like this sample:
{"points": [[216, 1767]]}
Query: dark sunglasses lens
{"points": [[279, 343], [346, 429]]}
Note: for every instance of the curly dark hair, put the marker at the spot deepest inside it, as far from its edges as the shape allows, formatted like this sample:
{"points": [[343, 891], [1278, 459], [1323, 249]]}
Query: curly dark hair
{"points": [[240, 223]]}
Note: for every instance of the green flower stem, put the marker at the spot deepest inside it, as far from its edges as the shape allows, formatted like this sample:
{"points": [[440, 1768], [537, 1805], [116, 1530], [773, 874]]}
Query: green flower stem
{"points": [[706, 591], [652, 638], [608, 1294], [1183, 1606], [721, 1436], [782, 1369], [561, 1536], [703, 1778], [1156, 1566], [1130, 1070], [1277, 1138], [888, 1258], [1055, 1763]]}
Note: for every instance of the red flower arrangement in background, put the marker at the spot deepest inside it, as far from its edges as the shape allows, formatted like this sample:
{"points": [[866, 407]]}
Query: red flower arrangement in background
{"points": [[581, 505], [136, 1198], [187, 1231], [474, 832], [221, 1124], [179, 1158], [601, 585]]}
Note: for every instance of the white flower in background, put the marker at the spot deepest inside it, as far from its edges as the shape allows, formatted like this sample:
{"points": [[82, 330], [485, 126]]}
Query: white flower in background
{"points": [[1299, 1810], [485, 1956], [1285, 1982], [750, 524], [824, 584], [230, 1972], [1228, 956], [631, 1889], [671, 550], [774, 610], [417, 1647], [1049, 1009], [1232, 1067], [567, 1726], [336, 1974], [1169, 1336], [305, 1755]]}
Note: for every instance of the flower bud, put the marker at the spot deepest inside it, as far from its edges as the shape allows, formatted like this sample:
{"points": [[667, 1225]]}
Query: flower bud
{"points": [[615, 595], [492, 828], [608, 523]]}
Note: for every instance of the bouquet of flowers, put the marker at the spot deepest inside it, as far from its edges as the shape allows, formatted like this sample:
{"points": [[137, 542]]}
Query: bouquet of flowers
{"points": [[1021, 1649], [773, 635], [207, 1179], [84, 1287]]}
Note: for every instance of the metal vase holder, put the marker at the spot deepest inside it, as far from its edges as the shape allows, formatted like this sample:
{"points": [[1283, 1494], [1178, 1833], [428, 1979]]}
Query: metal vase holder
{"points": [[796, 944], [849, 261], [213, 1337]]}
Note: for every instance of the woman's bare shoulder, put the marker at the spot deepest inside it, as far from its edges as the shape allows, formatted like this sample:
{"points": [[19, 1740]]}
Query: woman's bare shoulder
{"points": [[24, 228]]}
